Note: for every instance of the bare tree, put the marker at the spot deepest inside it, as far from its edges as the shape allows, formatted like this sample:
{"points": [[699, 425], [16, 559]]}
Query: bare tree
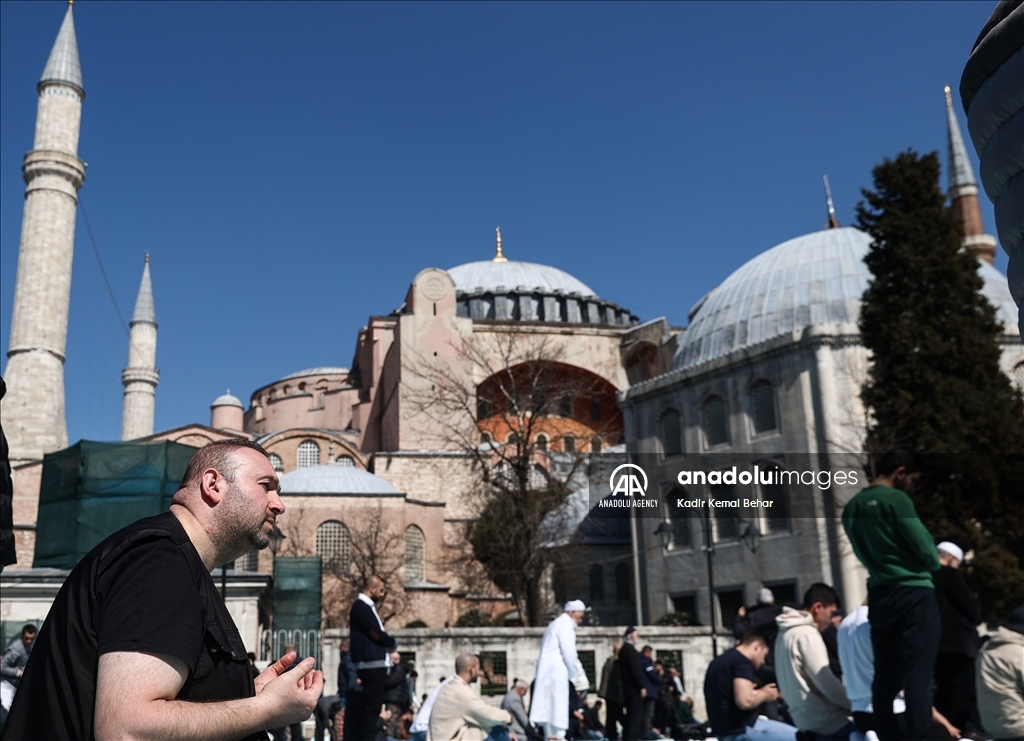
{"points": [[374, 547], [519, 425]]}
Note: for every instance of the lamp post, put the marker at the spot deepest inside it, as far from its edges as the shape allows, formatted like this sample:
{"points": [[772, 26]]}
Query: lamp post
{"points": [[750, 534], [664, 533], [709, 550], [276, 536]]}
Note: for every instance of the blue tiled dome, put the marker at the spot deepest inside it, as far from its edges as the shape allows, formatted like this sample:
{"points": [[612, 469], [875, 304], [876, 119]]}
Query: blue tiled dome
{"points": [[814, 279]]}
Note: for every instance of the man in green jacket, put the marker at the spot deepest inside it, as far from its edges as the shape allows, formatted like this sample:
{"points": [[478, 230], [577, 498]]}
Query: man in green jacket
{"points": [[899, 553]]}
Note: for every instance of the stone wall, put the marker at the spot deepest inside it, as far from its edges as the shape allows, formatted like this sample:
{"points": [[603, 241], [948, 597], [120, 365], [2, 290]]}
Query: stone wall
{"points": [[436, 650]]}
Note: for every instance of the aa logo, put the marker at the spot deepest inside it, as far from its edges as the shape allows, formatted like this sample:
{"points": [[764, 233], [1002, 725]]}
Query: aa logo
{"points": [[627, 483]]}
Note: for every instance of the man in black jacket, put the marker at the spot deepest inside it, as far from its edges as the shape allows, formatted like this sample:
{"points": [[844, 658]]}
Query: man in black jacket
{"points": [[959, 613], [371, 646], [632, 685]]}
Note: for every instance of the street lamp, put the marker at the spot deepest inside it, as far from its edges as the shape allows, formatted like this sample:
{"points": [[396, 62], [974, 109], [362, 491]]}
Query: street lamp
{"points": [[750, 535], [709, 549], [664, 533], [276, 536]]}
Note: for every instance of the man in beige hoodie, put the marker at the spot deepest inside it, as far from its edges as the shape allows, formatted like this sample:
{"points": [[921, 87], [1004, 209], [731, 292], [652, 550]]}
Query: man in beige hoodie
{"points": [[460, 714], [816, 698]]}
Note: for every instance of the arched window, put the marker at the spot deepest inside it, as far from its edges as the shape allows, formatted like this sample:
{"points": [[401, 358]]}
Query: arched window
{"points": [[415, 571], [512, 438], [622, 585], [679, 519], [542, 443], [333, 545], [538, 478], [565, 406], [569, 444], [321, 397], [671, 434], [346, 461], [309, 454], [485, 437], [716, 428], [762, 407], [596, 582], [275, 461], [595, 411], [595, 444], [776, 516], [483, 408]]}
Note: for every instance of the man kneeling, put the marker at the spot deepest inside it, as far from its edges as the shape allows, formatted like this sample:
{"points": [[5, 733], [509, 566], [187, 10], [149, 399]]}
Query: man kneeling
{"points": [[460, 714], [816, 697], [732, 697]]}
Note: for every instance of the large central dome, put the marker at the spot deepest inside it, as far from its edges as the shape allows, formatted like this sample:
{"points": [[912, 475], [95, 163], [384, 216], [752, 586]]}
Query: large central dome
{"points": [[488, 275], [818, 278]]}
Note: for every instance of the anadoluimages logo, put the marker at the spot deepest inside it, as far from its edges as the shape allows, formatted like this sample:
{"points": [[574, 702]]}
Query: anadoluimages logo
{"points": [[627, 483]]}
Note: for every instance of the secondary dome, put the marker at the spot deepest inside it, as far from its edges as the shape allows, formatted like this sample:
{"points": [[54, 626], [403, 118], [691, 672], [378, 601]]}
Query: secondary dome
{"points": [[488, 275], [818, 278], [334, 479], [227, 400]]}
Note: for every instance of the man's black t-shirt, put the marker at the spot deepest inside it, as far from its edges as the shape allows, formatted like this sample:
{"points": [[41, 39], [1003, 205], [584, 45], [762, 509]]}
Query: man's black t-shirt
{"points": [[724, 716], [142, 589]]}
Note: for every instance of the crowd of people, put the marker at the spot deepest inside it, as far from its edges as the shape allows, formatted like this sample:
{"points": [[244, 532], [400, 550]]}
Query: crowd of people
{"points": [[908, 664], [139, 644]]}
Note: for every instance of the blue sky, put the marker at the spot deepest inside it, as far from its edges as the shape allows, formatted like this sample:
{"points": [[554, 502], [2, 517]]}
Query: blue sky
{"points": [[291, 166]]}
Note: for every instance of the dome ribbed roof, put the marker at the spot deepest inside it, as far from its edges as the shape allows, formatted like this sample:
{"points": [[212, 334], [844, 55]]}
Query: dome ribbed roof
{"points": [[814, 279], [334, 479], [227, 400], [324, 370], [487, 275]]}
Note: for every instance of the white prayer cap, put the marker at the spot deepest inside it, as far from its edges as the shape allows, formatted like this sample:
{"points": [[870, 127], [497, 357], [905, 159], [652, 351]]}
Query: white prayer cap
{"points": [[765, 596], [575, 605], [952, 549]]}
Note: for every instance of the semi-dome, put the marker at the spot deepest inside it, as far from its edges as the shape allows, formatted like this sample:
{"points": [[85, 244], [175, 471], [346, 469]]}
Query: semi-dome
{"points": [[818, 278], [334, 479], [488, 275]]}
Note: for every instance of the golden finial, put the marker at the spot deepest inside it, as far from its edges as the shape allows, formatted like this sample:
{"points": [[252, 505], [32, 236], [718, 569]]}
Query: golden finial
{"points": [[498, 257], [949, 96], [71, 3], [147, 257]]}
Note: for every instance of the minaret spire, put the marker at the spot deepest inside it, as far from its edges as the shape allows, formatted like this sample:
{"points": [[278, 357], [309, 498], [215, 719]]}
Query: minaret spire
{"points": [[963, 189], [33, 410], [141, 377], [498, 257], [832, 222]]}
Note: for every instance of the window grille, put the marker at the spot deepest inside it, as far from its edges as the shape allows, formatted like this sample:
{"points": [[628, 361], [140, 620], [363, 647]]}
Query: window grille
{"points": [[345, 461], [275, 461], [727, 521], [565, 406], [538, 478], [762, 403], [680, 523], [1018, 376], [414, 555], [320, 399], [596, 582], [483, 408], [249, 562], [494, 671], [776, 516], [671, 434], [309, 454], [715, 424], [334, 545]]}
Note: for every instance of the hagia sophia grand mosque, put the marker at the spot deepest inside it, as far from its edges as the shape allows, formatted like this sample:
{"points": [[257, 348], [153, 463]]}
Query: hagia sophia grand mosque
{"points": [[769, 364]]}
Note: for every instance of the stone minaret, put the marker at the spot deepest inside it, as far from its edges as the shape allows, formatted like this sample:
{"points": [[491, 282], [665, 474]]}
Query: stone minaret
{"points": [[33, 410], [141, 376], [963, 190]]}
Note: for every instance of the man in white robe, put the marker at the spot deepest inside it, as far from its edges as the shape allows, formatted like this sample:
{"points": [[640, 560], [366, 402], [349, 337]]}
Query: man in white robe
{"points": [[558, 663]]}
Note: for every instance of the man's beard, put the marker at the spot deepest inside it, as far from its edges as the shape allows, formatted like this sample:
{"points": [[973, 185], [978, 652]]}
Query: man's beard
{"points": [[240, 532]]}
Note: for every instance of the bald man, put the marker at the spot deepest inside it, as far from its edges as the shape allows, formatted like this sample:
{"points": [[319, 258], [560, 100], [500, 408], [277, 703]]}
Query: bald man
{"points": [[371, 654], [138, 642], [460, 713]]}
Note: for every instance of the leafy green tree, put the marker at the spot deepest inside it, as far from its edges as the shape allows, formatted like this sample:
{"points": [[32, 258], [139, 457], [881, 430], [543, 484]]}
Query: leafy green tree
{"points": [[935, 383]]}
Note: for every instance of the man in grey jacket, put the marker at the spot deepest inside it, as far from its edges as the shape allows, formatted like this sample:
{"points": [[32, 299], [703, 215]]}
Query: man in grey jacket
{"points": [[12, 665], [513, 703]]}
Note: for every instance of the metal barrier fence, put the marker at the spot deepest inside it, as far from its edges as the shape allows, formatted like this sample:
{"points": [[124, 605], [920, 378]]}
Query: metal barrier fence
{"points": [[307, 643]]}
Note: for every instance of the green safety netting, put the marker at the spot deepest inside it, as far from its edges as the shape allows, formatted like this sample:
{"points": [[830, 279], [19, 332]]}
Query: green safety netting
{"points": [[91, 490], [297, 593]]}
